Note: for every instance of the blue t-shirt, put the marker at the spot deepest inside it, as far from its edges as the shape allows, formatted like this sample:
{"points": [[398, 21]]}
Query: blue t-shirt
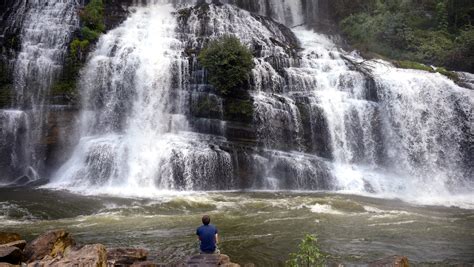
{"points": [[207, 234]]}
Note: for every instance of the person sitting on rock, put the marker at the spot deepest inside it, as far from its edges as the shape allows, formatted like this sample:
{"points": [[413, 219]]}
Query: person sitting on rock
{"points": [[207, 234]]}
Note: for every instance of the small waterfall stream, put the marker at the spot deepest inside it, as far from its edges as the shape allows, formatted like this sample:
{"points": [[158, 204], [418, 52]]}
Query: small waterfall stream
{"points": [[47, 26]]}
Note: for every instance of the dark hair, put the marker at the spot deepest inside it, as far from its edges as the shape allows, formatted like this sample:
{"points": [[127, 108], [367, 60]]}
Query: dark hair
{"points": [[206, 219]]}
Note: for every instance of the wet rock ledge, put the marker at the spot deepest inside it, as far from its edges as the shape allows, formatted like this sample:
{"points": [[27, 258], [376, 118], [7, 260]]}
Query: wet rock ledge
{"points": [[58, 248]]}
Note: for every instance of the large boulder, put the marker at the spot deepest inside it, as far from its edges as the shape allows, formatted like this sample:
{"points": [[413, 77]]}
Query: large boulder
{"points": [[53, 243], [120, 256], [87, 256], [11, 255], [8, 237]]}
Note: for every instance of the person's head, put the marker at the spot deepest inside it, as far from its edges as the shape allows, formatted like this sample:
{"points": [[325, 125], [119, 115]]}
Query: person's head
{"points": [[206, 219]]}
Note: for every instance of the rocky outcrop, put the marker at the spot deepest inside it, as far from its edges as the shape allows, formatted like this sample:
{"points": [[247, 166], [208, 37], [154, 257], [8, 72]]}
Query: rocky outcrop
{"points": [[89, 255], [11, 255], [119, 256], [11, 248], [52, 244], [58, 248]]}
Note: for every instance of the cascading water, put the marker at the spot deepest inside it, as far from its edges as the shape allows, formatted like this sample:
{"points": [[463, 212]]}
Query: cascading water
{"points": [[321, 118], [386, 136], [47, 26], [134, 126]]}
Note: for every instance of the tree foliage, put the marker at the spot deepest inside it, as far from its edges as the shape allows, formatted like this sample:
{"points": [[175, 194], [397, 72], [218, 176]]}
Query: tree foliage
{"points": [[434, 32], [228, 63], [93, 16], [309, 254]]}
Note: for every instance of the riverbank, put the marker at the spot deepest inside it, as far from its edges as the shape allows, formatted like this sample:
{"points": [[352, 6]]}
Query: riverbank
{"points": [[58, 248]]}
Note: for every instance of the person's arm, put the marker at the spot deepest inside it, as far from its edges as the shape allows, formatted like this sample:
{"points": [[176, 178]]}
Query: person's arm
{"points": [[198, 236], [217, 238]]}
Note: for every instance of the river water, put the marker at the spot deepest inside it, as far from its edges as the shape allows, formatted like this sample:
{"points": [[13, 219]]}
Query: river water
{"points": [[258, 227]]}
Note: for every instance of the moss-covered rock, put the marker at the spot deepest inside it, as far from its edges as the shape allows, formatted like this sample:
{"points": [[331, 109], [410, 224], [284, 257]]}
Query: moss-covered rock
{"points": [[450, 74], [406, 64]]}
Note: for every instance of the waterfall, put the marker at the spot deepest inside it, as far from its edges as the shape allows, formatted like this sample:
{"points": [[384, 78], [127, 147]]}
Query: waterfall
{"points": [[46, 28], [321, 118], [401, 133], [135, 132]]}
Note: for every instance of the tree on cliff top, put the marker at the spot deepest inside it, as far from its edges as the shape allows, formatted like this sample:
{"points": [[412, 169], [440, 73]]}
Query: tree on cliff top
{"points": [[227, 61]]}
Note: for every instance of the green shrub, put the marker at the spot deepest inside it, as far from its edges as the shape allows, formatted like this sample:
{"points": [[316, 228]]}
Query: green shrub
{"points": [[78, 45], [228, 63], [433, 46], [462, 56], [437, 32], [89, 34], [93, 16], [309, 253]]}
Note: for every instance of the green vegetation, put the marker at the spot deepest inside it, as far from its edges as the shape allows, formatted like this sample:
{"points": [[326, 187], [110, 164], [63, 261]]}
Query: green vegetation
{"points": [[451, 75], [406, 64], [437, 32], [92, 21], [206, 107], [92, 18], [228, 63], [309, 253]]}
